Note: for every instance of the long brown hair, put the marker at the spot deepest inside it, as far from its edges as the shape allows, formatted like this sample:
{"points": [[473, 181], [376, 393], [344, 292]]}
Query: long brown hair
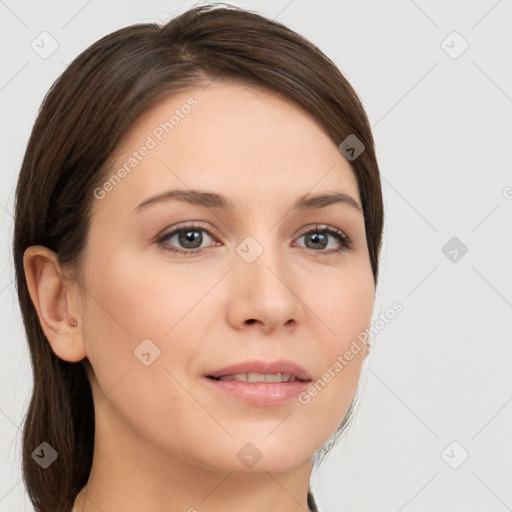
{"points": [[81, 121]]}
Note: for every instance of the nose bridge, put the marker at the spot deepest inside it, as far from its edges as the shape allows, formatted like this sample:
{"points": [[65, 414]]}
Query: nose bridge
{"points": [[257, 255], [264, 282]]}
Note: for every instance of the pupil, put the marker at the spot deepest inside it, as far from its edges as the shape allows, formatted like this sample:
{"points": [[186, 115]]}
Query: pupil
{"points": [[193, 237], [318, 238]]}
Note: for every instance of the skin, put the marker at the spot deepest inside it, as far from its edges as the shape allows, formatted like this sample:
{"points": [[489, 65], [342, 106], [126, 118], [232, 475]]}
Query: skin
{"points": [[164, 439]]}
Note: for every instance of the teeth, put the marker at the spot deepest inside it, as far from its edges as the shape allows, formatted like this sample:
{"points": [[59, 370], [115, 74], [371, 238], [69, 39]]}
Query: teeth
{"points": [[259, 377], [256, 377]]}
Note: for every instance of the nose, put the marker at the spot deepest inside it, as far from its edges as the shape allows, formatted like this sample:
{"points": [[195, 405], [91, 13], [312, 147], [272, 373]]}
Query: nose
{"points": [[264, 292]]}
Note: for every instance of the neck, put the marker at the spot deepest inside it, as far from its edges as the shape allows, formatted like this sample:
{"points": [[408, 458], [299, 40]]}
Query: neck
{"points": [[129, 473]]}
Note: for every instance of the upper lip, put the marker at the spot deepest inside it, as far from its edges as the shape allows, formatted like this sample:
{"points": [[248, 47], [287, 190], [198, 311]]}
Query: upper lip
{"points": [[264, 367]]}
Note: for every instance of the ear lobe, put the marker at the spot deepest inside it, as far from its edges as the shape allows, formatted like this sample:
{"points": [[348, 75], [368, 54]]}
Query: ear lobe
{"points": [[51, 296]]}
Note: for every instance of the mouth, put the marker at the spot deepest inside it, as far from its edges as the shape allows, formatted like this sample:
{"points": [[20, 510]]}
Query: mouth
{"points": [[258, 377], [260, 383], [261, 371]]}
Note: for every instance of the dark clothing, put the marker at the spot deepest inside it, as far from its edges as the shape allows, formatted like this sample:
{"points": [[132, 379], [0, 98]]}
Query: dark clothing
{"points": [[311, 502]]}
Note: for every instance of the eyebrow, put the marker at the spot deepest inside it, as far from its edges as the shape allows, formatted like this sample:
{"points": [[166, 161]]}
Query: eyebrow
{"points": [[212, 200]]}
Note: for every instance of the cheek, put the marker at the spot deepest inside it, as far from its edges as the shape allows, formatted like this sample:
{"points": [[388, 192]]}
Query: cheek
{"points": [[343, 302], [132, 300], [139, 298], [346, 311]]}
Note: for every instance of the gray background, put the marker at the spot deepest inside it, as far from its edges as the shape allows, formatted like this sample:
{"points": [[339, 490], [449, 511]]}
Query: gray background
{"points": [[440, 371]]}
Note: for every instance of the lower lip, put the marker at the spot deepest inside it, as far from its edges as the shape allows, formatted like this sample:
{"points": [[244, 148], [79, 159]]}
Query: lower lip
{"points": [[260, 393]]}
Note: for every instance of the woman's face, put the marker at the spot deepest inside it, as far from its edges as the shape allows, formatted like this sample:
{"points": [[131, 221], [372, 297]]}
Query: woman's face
{"points": [[262, 280]]}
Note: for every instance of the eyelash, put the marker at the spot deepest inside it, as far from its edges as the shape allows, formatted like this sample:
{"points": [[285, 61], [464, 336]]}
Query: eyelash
{"points": [[344, 240]]}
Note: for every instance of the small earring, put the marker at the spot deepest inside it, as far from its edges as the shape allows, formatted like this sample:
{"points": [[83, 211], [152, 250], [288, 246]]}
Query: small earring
{"points": [[75, 323]]}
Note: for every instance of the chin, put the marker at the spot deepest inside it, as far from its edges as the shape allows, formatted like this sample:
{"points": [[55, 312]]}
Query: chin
{"points": [[275, 454]]}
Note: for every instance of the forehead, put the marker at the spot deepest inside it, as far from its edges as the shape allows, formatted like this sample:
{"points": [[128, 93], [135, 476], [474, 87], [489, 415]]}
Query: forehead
{"points": [[247, 142]]}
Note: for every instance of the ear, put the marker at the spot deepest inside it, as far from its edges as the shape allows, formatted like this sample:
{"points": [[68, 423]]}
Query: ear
{"points": [[56, 301]]}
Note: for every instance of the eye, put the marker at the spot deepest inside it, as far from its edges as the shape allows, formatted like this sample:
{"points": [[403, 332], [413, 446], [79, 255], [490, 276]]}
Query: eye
{"points": [[318, 239], [190, 237]]}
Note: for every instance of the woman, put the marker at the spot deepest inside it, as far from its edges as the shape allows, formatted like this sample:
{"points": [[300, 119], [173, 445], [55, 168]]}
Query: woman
{"points": [[197, 231]]}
